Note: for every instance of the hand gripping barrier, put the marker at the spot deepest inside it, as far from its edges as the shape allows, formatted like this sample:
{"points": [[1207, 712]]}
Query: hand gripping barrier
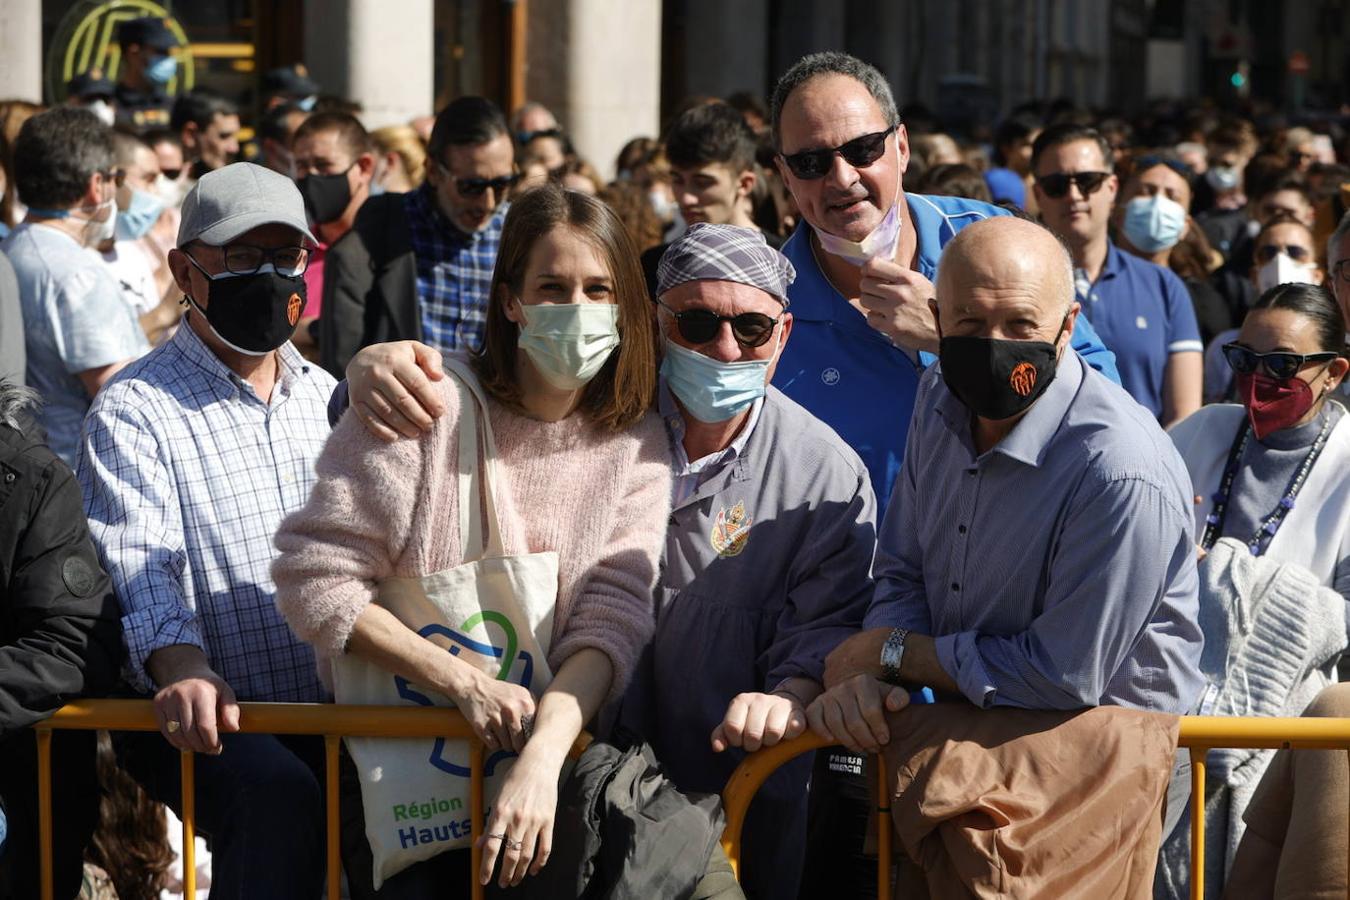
{"points": [[331, 721], [1199, 734]]}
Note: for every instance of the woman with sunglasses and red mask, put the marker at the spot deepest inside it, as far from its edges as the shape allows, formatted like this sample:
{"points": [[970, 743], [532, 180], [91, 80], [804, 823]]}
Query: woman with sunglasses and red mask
{"points": [[1283, 252], [1273, 471]]}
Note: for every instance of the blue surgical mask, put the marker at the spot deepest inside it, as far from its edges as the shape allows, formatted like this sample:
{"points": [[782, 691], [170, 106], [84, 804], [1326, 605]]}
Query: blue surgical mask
{"points": [[134, 222], [307, 103], [1154, 224], [1222, 178], [714, 391], [162, 70]]}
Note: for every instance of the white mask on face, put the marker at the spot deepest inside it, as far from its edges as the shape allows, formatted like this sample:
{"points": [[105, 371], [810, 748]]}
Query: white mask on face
{"points": [[1283, 270], [103, 109], [96, 230], [881, 242]]}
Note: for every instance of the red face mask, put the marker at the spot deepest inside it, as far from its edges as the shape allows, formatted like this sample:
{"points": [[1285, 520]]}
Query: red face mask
{"points": [[1271, 404]]}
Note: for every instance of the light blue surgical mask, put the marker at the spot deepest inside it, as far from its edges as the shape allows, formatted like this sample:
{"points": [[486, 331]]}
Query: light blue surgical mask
{"points": [[1154, 224], [162, 70], [307, 103], [711, 390], [134, 222], [569, 342]]}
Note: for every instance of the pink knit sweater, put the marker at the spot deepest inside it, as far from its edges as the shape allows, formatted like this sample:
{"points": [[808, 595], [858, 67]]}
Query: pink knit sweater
{"points": [[600, 499]]}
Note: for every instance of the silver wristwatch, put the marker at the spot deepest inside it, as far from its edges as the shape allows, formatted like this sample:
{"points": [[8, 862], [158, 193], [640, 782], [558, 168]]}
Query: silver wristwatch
{"points": [[891, 653]]}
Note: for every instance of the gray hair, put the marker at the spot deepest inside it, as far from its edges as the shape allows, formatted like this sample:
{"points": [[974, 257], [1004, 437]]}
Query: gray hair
{"points": [[17, 405], [1340, 234], [830, 62]]}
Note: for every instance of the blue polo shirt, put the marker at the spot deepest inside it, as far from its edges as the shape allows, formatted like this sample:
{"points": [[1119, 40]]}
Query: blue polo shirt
{"points": [[850, 375], [1143, 313]]}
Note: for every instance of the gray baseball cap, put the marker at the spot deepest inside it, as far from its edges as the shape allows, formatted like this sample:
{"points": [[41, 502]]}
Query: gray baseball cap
{"points": [[237, 198]]}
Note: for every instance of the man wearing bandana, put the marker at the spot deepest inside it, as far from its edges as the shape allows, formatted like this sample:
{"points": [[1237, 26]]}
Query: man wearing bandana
{"points": [[191, 458], [1040, 549]]}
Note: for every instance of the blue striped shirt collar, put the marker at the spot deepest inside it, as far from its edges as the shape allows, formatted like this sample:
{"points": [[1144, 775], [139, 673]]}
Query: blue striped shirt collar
{"points": [[223, 380]]}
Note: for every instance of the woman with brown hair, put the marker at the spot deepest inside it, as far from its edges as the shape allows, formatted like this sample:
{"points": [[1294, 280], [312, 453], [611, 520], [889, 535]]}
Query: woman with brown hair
{"points": [[583, 466]]}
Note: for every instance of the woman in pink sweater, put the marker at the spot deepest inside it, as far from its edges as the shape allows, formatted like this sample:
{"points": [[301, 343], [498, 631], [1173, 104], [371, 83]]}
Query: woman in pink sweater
{"points": [[586, 471]]}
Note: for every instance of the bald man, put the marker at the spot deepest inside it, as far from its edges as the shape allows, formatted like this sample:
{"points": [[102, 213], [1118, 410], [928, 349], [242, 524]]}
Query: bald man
{"points": [[1039, 549]]}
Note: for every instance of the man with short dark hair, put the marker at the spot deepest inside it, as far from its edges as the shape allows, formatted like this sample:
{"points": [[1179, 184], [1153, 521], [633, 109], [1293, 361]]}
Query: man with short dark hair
{"points": [[1142, 311], [78, 330], [334, 164], [146, 68], [209, 127], [190, 461], [712, 173], [419, 265]]}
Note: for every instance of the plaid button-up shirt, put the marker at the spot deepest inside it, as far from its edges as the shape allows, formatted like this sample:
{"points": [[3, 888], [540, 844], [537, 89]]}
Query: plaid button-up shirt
{"points": [[454, 272], [186, 475]]}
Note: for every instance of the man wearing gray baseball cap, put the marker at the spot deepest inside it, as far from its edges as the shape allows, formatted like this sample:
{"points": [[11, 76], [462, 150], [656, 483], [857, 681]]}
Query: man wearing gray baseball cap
{"points": [[191, 458]]}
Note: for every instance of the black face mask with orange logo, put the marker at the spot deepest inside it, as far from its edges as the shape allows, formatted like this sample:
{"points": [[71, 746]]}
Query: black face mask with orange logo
{"points": [[997, 379], [253, 314]]}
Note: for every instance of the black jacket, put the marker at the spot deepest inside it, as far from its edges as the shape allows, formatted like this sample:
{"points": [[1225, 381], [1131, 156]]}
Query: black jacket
{"points": [[369, 285], [60, 637]]}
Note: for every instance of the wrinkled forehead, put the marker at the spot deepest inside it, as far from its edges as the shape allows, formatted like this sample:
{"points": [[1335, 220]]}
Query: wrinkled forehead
{"points": [[827, 111]]}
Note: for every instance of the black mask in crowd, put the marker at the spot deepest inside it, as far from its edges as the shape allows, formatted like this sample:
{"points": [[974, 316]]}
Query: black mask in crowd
{"points": [[253, 314], [326, 196], [997, 379]]}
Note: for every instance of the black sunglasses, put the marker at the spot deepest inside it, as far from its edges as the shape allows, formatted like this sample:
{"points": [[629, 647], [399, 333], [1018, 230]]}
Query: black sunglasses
{"points": [[859, 153], [699, 326], [1057, 185], [1266, 252], [171, 174], [474, 187], [1278, 365], [524, 137]]}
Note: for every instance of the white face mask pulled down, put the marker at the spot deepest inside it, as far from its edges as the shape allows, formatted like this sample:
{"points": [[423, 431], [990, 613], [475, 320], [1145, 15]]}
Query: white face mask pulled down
{"points": [[881, 242], [96, 231], [1283, 270]]}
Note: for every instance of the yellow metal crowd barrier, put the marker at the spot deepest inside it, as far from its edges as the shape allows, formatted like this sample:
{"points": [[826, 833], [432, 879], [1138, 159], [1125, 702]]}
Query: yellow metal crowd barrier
{"points": [[333, 722], [1199, 734]]}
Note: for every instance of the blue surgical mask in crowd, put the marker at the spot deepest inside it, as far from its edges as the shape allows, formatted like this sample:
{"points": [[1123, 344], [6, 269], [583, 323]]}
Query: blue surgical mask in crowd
{"points": [[711, 390], [1222, 178], [1154, 224], [307, 103], [569, 342], [135, 222], [162, 70]]}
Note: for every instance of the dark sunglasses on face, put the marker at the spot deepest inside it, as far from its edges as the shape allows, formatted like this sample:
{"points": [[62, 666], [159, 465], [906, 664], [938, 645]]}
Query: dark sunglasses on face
{"points": [[699, 326], [859, 153], [171, 174], [524, 137], [1278, 365], [1057, 185], [474, 187], [1266, 252]]}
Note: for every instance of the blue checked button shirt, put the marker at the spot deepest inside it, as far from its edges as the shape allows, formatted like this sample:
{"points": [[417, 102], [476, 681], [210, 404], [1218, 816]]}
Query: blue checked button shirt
{"points": [[186, 475], [454, 272]]}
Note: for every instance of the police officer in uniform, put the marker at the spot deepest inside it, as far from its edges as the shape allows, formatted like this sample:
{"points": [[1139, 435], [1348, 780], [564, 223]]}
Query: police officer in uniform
{"points": [[147, 68]]}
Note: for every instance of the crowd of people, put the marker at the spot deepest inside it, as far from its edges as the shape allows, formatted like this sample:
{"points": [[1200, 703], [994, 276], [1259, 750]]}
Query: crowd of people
{"points": [[973, 449]]}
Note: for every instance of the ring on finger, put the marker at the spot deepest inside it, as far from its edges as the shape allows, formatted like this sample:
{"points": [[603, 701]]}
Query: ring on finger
{"points": [[527, 726], [172, 726]]}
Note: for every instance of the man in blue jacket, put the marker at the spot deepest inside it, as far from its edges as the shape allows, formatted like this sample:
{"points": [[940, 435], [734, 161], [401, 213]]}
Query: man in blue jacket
{"points": [[866, 257]]}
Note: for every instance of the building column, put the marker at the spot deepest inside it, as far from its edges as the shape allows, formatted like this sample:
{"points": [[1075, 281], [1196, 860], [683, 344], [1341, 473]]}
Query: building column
{"points": [[359, 50], [21, 49], [597, 65]]}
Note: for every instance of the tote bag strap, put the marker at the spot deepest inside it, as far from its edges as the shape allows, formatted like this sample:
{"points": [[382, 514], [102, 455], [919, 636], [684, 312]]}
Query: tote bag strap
{"points": [[477, 491]]}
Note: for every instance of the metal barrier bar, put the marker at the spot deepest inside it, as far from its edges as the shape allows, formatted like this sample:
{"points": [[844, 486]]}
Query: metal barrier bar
{"points": [[331, 721], [1198, 765], [188, 797], [1199, 734]]}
